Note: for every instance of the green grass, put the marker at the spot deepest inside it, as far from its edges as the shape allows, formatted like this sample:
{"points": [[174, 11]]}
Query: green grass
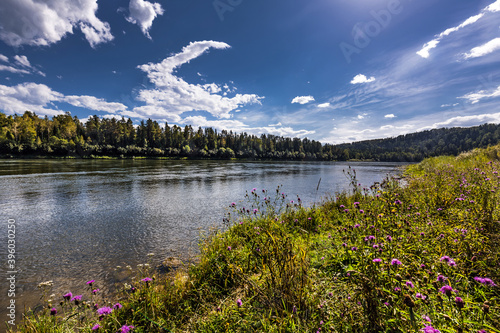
{"points": [[276, 266]]}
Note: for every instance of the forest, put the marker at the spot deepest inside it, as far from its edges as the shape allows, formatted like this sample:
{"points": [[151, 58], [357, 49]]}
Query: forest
{"points": [[29, 135]]}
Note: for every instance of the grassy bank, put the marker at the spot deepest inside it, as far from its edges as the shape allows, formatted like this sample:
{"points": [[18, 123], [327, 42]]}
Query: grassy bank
{"points": [[390, 258]]}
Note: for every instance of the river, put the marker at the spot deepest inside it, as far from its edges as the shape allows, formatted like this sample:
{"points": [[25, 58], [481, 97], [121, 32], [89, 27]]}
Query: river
{"points": [[76, 220]]}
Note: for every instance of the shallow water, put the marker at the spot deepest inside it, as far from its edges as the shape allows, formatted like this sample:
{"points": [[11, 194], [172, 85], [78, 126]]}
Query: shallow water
{"points": [[76, 220]]}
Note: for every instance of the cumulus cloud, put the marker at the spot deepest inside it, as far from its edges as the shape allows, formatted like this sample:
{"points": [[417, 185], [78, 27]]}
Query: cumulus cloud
{"points": [[324, 105], [143, 14], [21, 65], [302, 99], [425, 51], [389, 116], [360, 78], [484, 49], [482, 94], [41, 99], [172, 96], [44, 22]]}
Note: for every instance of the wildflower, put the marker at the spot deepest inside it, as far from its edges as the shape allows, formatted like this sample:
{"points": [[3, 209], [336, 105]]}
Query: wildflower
{"points": [[239, 303], [90, 282], [441, 278], [422, 266], [430, 329], [389, 238], [459, 302], [397, 202], [420, 296], [229, 248], [126, 329], [96, 327], [357, 225], [395, 262], [356, 203], [95, 291], [371, 237], [106, 310], [77, 299], [486, 281], [45, 284], [354, 248], [294, 309], [377, 260], [117, 306], [67, 296], [233, 204], [147, 279], [397, 289], [53, 311], [410, 284], [446, 289], [426, 318], [452, 263]]}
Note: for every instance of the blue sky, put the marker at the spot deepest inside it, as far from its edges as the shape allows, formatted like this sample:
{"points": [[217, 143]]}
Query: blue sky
{"points": [[330, 70]]}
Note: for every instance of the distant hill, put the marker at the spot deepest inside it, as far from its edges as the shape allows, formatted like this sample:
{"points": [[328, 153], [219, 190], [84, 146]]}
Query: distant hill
{"points": [[417, 146]]}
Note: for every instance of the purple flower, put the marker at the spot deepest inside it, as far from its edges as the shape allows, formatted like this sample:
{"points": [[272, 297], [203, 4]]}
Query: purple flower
{"points": [[395, 262], [389, 238], [445, 259], [486, 281], [354, 248], [397, 202], [357, 225], [126, 329], [420, 296], [147, 279], [229, 248], [430, 329], [106, 310], [53, 311], [90, 282], [239, 303], [67, 296], [397, 289], [410, 284], [446, 289], [95, 291], [441, 278], [356, 203], [96, 327], [77, 299], [294, 309], [377, 260], [117, 306], [459, 302]]}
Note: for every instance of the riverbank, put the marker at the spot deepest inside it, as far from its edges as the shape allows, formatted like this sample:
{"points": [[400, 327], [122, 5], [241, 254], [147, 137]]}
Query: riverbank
{"points": [[387, 258]]}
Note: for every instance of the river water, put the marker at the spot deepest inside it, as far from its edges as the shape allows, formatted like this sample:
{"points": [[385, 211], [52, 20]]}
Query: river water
{"points": [[76, 220]]}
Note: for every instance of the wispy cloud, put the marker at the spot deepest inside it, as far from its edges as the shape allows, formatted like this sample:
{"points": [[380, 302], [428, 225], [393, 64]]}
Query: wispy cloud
{"points": [[32, 22], [390, 116], [489, 47], [302, 99], [172, 96], [324, 105], [143, 13], [425, 51], [21, 65], [360, 78], [478, 96]]}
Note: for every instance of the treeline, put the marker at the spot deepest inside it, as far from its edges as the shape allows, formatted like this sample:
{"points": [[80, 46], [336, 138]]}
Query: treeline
{"points": [[64, 135], [415, 147]]}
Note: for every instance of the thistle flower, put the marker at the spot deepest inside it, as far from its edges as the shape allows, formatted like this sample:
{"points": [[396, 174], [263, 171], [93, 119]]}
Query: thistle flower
{"points": [[117, 306], [459, 302], [441, 278], [446, 289], [67, 296], [106, 310], [90, 282], [126, 329], [377, 260], [486, 281], [147, 279], [96, 327], [395, 262], [410, 284], [77, 299], [430, 329], [239, 303], [53, 311]]}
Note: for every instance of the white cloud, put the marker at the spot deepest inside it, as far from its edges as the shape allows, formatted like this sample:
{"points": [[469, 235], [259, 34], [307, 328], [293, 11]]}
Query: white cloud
{"points": [[389, 116], [22, 60], [143, 14], [467, 121], [238, 126], [360, 78], [13, 70], [324, 105], [172, 96], [477, 96], [302, 99], [4, 58], [40, 99], [20, 66], [361, 116], [425, 51], [44, 22], [93, 103], [484, 49]]}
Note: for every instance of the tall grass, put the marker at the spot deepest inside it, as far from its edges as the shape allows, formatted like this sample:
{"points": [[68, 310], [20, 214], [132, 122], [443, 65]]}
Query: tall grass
{"points": [[416, 258]]}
